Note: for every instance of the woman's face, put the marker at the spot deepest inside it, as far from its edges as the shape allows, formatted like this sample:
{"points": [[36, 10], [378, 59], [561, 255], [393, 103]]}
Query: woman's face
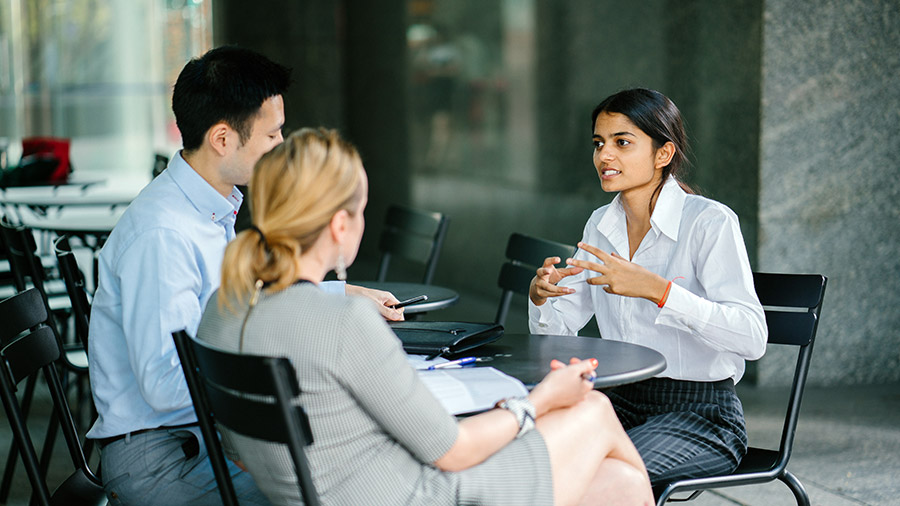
{"points": [[624, 155]]}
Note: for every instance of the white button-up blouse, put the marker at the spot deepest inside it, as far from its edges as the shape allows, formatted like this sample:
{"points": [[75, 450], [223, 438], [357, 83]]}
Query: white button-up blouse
{"points": [[712, 320]]}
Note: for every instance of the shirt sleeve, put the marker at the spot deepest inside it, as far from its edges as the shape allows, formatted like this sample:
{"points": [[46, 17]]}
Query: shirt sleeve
{"points": [[335, 287], [160, 293], [392, 392], [729, 318]]}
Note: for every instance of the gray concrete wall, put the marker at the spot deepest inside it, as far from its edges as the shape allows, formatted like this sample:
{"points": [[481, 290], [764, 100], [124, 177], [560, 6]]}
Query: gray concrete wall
{"points": [[829, 196]]}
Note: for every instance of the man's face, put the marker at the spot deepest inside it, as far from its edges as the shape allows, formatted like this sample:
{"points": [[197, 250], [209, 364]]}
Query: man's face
{"points": [[265, 134]]}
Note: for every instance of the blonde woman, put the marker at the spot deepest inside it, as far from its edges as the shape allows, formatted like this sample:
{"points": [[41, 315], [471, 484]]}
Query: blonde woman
{"points": [[380, 435]]}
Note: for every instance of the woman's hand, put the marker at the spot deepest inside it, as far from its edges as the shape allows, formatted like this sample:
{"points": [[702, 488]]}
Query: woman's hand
{"points": [[382, 298], [621, 277], [564, 386], [547, 276]]}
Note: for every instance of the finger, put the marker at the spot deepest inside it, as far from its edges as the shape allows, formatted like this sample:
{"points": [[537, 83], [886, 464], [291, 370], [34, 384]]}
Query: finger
{"points": [[551, 261], [547, 289], [574, 360], [390, 313], [584, 264], [598, 280], [593, 250], [585, 366], [570, 271], [556, 364]]}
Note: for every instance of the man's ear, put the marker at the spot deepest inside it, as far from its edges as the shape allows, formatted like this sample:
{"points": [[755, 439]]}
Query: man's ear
{"points": [[664, 155], [219, 138]]}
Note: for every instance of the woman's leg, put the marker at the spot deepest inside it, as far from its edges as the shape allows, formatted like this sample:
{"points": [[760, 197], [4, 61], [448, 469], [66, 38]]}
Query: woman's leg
{"points": [[590, 454]]}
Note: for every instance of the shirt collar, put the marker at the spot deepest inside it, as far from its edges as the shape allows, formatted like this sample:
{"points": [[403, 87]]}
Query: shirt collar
{"points": [[666, 217], [667, 214], [202, 195]]}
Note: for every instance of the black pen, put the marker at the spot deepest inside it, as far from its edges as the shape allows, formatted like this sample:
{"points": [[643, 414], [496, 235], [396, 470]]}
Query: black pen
{"points": [[407, 302]]}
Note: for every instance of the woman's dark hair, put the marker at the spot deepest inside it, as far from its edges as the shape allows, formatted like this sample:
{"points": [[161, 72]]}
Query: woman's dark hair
{"points": [[227, 84], [659, 118]]}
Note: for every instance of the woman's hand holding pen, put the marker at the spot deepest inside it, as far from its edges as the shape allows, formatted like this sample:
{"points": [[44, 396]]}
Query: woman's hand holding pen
{"points": [[564, 386], [619, 276], [384, 300], [547, 276]]}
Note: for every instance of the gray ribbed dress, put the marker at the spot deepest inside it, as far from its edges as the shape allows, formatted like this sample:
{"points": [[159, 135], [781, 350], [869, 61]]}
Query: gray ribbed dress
{"points": [[376, 427]]}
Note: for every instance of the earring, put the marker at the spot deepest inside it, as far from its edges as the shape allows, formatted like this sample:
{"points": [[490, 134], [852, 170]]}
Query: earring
{"points": [[341, 268]]}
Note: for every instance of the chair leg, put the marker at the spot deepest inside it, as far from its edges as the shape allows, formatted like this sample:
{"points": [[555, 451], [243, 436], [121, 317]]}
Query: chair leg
{"points": [[12, 458], [49, 442], [796, 487]]}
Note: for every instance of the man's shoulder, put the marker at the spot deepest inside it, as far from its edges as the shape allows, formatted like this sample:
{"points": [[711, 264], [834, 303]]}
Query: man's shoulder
{"points": [[160, 207]]}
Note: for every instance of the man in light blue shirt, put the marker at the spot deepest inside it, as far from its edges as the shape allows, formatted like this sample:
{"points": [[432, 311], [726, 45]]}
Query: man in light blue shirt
{"points": [[157, 271]]}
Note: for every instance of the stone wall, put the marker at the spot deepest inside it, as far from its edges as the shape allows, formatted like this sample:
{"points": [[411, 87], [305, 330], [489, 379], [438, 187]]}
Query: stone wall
{"points": [[829, 198]]}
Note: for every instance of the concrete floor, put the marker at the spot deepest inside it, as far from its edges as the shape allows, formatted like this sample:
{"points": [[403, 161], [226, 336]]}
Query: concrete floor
{"points": [[846, 452]]}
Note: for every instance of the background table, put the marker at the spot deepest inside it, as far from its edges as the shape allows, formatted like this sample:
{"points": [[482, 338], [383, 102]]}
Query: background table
{"points": [[438, 296], [527, 357]]}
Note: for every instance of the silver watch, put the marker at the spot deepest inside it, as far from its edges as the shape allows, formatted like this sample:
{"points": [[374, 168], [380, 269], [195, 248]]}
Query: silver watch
{"points": [[524, 411]]}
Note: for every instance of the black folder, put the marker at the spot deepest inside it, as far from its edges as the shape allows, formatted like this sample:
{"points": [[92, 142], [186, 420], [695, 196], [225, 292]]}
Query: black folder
{"points": [[444, 338]]}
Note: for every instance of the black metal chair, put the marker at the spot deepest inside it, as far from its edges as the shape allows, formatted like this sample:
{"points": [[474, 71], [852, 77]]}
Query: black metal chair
{"points": [[24, 356], [525, 254], [257, 403], [28, 271], [793, 304], [75, 287], [414, 235]]}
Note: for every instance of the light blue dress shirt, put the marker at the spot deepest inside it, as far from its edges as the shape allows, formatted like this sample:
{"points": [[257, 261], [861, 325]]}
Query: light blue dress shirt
{"points": [[157, 271]]}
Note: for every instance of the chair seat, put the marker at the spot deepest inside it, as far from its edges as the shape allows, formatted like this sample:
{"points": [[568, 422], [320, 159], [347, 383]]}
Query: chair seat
{"points": [[757, 460], [77, 358], [80, 490]]}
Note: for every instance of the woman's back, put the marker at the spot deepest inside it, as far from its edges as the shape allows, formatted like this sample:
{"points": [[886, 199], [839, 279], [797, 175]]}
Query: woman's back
{"points": [[361, 395]]}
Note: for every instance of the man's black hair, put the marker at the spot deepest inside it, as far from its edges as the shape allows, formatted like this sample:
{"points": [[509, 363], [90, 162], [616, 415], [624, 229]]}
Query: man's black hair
{"points": [[227, 84]]}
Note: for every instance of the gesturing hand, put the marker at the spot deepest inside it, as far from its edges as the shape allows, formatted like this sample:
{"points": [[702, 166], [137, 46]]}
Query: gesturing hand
{"points": [[547, 276], [621, 277]]}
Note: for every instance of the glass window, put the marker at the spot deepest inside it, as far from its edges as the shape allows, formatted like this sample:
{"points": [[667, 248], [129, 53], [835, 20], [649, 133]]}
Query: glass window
{"points": [[99, 72]]}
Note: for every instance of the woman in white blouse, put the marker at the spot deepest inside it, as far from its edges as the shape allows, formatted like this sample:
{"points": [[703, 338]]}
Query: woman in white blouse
{"points": [[664, 268]]}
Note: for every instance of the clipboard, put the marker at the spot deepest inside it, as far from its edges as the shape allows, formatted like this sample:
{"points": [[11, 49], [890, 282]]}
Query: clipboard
{"points": [[437, 339]]}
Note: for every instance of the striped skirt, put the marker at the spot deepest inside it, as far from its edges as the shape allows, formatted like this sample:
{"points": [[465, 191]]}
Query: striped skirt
{"points": [[683, 429]]}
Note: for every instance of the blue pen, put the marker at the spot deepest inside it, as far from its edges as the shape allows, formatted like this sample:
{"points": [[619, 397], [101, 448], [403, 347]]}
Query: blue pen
{"points": [[461, 361]]}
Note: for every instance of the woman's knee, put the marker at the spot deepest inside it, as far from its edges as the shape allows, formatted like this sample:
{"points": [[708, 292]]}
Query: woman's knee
{"points": [[597, 407]]}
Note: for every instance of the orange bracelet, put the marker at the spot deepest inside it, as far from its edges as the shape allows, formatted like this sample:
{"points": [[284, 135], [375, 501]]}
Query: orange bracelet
{"points": [[662, 301]]}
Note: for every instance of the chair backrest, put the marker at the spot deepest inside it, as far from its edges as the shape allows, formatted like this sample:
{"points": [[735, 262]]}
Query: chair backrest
{"points": [[75, 287], [258, 402], [524, 255], [36, 350], [793, 303], [26, 264], [414, 235], [21, 251]]}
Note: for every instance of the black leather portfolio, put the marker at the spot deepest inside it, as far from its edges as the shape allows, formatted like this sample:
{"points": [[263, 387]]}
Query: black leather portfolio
{"points": [[444, 338]]}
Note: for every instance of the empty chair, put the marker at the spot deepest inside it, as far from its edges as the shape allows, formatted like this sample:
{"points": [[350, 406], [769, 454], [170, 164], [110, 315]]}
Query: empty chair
{"points": [[75, 287], [525, 255], [413, 235], [793, 305], [26, 266], [222, 397], [24, 356]]}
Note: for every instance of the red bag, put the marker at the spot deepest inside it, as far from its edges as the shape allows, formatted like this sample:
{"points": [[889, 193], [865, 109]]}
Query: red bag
{"points": [[58, 148]]}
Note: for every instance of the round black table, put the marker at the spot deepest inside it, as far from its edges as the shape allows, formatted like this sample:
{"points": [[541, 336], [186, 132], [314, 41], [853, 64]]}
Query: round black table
{"points": [[527, 357], [438, 296]]}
